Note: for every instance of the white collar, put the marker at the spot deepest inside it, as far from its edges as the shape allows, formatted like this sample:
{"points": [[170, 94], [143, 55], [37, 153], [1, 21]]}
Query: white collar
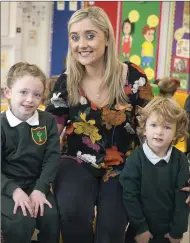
{"points": [[154, 159], [14, 121]]}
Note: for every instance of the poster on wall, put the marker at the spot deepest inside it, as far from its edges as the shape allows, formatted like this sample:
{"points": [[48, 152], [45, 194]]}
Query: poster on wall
{"points": [[139, 35], [179, 51]]}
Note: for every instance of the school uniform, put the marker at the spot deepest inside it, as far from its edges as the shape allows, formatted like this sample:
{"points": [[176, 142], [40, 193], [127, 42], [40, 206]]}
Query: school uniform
{"points": [[152, 193], [30, 156]]}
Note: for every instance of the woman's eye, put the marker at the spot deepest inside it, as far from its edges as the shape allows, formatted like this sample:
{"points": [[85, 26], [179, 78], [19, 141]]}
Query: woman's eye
{"points": [[75, 37], [90, 36], [153, 125]]}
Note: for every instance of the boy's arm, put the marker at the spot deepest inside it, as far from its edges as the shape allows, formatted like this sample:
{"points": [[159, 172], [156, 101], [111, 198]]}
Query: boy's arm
{"points": [[7, 185], [181, 213], [51, 159], [130, 179]]}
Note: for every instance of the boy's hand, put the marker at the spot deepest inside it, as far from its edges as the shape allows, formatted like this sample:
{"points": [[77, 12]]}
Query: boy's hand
{"points": [[38, 200], [22, 200], [187, 189], [172, 240], [144, 237]]}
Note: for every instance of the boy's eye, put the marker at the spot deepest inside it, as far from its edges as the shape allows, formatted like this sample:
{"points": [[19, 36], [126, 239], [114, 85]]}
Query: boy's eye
{"points": [[90, 36], [167, 127], [153, 125], [38, 95], [23, 92], [75, 37]]}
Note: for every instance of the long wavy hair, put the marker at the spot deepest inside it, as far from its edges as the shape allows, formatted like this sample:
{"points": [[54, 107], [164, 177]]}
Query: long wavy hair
{"points": [[113, 76]]}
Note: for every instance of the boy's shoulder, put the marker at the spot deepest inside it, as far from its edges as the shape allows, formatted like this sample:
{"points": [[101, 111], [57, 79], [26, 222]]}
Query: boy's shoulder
{"points": [[3, 118], [137, 155], [178, 155]]}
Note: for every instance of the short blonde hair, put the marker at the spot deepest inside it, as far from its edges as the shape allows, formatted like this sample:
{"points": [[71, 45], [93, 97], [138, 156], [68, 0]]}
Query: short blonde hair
{"points": [[167, 109]]}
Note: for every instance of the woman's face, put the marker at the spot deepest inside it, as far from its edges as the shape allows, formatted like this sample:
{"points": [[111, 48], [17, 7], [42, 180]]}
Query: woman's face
{"points": [[87, 42]]}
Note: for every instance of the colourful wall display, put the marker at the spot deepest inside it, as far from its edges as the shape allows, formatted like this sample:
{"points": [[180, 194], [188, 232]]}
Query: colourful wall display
{"points": [[139, 34], [179, 50]]}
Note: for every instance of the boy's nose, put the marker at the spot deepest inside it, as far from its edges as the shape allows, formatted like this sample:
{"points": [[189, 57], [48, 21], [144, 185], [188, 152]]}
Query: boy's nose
{"points": [[29, 98], [159, 130]]}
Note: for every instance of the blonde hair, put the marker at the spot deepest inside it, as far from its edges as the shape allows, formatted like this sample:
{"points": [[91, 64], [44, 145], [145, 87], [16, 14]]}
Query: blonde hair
{"points": [[113, 76], [21, 69], [167, 109]]}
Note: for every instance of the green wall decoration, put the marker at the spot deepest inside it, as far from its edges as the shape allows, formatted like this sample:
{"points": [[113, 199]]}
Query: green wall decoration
{"points": [[139, 34]]}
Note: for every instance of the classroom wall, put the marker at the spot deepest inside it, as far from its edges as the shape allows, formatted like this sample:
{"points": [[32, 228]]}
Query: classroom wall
{"points": [[45, 45]]}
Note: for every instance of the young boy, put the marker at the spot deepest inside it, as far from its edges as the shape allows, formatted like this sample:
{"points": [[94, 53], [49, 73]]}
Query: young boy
{"points": [[30, 156], [154, 175]]}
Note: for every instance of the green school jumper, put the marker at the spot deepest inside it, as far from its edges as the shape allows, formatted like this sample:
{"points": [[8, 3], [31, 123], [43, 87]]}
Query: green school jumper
{"points": [[30, 157], [152, 195]]}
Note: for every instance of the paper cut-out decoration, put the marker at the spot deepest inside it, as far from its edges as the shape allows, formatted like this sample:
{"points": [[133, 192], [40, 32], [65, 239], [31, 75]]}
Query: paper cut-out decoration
{"points": [[149, 73], [60, 5], [152, 21], [179, 33], [147, 46], [182, 48], [72, 6], [127, 39], [134, 16], [135, 59]]}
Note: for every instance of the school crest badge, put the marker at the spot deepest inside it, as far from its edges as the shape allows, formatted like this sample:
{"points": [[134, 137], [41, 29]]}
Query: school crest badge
{"points": [[39, 135]]}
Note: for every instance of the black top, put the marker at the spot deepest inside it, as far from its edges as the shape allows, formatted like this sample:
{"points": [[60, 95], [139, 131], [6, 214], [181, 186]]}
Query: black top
{"points": [[152, 195], [101, 137], [29, 154]]}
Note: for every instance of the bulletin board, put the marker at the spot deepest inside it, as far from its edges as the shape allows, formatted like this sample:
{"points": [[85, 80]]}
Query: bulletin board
{"points": [[62, 12], [179, 51], [136, 46]]}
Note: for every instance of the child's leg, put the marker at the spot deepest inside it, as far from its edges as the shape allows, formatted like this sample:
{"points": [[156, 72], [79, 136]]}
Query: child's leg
{"points": [[48, 225], [111, 217], [16, 227]]}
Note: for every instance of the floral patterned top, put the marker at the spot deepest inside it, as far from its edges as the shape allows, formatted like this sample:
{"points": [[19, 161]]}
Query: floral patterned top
{"points": [[101, 138]]}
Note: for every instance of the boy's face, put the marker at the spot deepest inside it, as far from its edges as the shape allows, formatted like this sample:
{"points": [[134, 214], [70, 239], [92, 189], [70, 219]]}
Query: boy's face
{"points": [[159, 136], [25, 96]]}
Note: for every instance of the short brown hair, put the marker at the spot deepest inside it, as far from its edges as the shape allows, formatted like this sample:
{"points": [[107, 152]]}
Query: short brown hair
{"points": [[22, 69], [166, 109], [147, 28]]}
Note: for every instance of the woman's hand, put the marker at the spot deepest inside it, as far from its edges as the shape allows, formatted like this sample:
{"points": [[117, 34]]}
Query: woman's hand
{"points": [[172, 240], [38, 199], [22, 200], [144, 237]]}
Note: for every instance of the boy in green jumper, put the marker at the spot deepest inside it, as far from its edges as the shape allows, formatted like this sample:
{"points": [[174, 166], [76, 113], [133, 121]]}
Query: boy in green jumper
{"points": [[154, 175], [30, 155]]}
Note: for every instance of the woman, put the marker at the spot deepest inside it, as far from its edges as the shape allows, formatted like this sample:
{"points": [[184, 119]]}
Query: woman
{"points": [[97, 99]]}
